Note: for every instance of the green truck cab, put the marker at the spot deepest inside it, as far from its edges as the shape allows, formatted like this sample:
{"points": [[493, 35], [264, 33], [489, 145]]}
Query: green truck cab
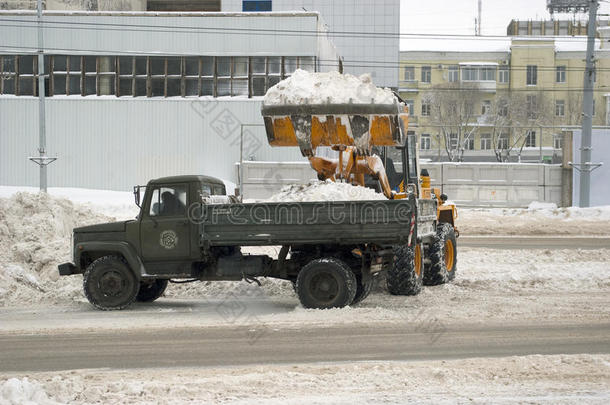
{"points": [[188, 229]]}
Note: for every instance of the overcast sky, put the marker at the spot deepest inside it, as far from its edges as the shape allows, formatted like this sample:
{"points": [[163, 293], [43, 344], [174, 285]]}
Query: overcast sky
{"points": [[457, 16]]}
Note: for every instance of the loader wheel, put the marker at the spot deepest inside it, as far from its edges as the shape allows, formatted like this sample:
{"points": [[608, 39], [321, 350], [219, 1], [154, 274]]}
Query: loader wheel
{"points": [[443, 256], [110, 284], [150, 291], [362, 289], [326, 283], [406, 274]]}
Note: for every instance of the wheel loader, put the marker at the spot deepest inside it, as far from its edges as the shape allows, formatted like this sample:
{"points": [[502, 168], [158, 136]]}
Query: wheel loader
{"points": [[355, 132]]}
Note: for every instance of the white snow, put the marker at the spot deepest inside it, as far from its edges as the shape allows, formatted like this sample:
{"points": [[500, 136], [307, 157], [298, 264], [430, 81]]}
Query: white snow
{"points": [[325, 191], [329, 87], [16, 391], [555, 379]]}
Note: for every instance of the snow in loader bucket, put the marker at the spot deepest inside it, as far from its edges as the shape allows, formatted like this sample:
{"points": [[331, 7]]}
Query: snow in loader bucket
{"points": [[311, 125]]}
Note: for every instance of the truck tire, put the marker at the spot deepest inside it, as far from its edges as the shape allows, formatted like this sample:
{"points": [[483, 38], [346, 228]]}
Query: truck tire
{"points": [[326, 283], [405, 276], [110, 284], [443, 256], [362, 290], [151, 291]]}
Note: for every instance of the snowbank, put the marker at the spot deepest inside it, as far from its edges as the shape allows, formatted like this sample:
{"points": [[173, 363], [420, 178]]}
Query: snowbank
{"points": [[332, 87], [325, 191]]}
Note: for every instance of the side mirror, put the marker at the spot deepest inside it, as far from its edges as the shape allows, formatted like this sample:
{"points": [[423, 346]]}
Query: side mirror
{"points": [[136, 194]]}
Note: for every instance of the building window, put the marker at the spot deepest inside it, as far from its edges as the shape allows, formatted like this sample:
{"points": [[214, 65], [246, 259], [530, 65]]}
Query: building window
{"points": [[453, 141], [532, 107], [532, 75], [426, 74], [253, 5], [537, 28], [486, 107], [560, 74], [557, 141], [409, 73], [454, 73], [504, 74], [425, 142], [564, 28], [523, 28], [469, 143], [8, 74], [425, 109], [478, 73], [485, 141], [411, 105], [502, 108], [530, 139], [503, 141], [149, 76], [560, 108]]}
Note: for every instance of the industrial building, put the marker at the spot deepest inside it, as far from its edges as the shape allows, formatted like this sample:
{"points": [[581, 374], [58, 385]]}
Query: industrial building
{"points": [[132, 96]]}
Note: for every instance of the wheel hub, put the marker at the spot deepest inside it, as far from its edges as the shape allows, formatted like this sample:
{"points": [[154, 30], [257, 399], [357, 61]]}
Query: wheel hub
{"points": [[112, 284], [324, 287]]}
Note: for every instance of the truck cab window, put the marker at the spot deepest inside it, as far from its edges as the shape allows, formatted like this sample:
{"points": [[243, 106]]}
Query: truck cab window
{"points": [[168, 201]]}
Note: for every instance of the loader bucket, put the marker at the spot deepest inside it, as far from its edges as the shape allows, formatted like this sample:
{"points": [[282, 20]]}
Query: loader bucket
{"points": [[359, 125]]}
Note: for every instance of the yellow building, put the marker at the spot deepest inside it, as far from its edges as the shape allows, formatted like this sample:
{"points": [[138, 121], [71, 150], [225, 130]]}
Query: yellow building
{"points": [[514, 95]]}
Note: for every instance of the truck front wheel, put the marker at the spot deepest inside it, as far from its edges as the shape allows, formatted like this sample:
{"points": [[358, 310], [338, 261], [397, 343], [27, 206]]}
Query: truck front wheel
{"points": [[150, 291], [110, 284], [326, 283], [406, 274]]}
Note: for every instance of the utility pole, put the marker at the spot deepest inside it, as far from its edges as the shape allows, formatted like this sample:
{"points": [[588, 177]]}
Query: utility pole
{"points": [[41, 160], [479, 19], [585, 167]]}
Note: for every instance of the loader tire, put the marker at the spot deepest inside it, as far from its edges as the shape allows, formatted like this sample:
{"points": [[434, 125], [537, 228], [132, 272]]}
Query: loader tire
{"points": [[443, 256], [405, 276], [149, 292], [326, 283], [362, 289], [109, 283]]}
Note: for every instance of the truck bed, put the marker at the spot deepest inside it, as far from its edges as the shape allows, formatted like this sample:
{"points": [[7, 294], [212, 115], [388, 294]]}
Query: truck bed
{"points": [[383, 222]]}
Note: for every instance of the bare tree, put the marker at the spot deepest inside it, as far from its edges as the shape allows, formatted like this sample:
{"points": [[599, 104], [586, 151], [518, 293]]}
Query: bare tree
{"points": [[451, 107], [512, 117]]}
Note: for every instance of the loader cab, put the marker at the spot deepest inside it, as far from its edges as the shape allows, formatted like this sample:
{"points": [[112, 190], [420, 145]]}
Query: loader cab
{"points": [[401, 165]]}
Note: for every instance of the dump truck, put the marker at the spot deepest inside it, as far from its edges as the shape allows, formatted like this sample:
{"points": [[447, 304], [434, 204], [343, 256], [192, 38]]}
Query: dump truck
{"points": [[188, 229]]}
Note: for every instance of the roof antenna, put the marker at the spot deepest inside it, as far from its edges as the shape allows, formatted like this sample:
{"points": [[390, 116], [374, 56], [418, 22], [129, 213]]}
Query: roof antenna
{"points": [[477, 21]]}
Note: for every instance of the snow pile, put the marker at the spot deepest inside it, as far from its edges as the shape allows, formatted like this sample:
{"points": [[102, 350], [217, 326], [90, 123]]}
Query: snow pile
{"points": [[23, 392], [325, 191], [331, 87], [35, 234]]}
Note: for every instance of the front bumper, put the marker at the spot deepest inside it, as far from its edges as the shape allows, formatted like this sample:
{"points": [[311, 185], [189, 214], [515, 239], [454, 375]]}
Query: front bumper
{"points": [[67, 269]]}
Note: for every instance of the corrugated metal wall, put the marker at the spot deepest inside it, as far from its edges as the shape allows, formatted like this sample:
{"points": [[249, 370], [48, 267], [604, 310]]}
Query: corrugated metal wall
{"points": [[199, 34], [110, 143]]}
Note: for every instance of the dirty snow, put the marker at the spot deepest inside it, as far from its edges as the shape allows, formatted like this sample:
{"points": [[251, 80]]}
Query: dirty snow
{"points": [[16, 391], [330, 87], [556, 379], [325, 191]]}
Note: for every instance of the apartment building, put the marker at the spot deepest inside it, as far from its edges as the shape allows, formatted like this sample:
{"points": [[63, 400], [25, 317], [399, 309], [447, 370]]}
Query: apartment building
{"points": [[514, 95]]}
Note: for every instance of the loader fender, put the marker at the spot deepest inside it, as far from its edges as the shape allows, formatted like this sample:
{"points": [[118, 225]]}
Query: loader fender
{"points": [[99, 249]]}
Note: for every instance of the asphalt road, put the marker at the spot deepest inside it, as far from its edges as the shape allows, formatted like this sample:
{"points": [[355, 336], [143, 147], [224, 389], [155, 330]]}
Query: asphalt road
{"points": [[535, 242], [205, 347]]}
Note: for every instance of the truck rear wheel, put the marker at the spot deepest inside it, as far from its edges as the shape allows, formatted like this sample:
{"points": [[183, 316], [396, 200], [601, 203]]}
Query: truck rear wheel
{"points": [[150, 291], [406, 274], [443, 256], [326, 283], [363, 289], [110, 284]]}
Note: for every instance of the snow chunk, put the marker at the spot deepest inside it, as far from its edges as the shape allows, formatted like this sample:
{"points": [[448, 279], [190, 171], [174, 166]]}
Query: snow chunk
{"points": [[330, 87], [23, 392], [325, 191], [537, 205]]}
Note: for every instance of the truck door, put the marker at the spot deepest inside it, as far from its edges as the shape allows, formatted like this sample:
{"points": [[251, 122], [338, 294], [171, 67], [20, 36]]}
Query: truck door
{"points": [[164, 228]]}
